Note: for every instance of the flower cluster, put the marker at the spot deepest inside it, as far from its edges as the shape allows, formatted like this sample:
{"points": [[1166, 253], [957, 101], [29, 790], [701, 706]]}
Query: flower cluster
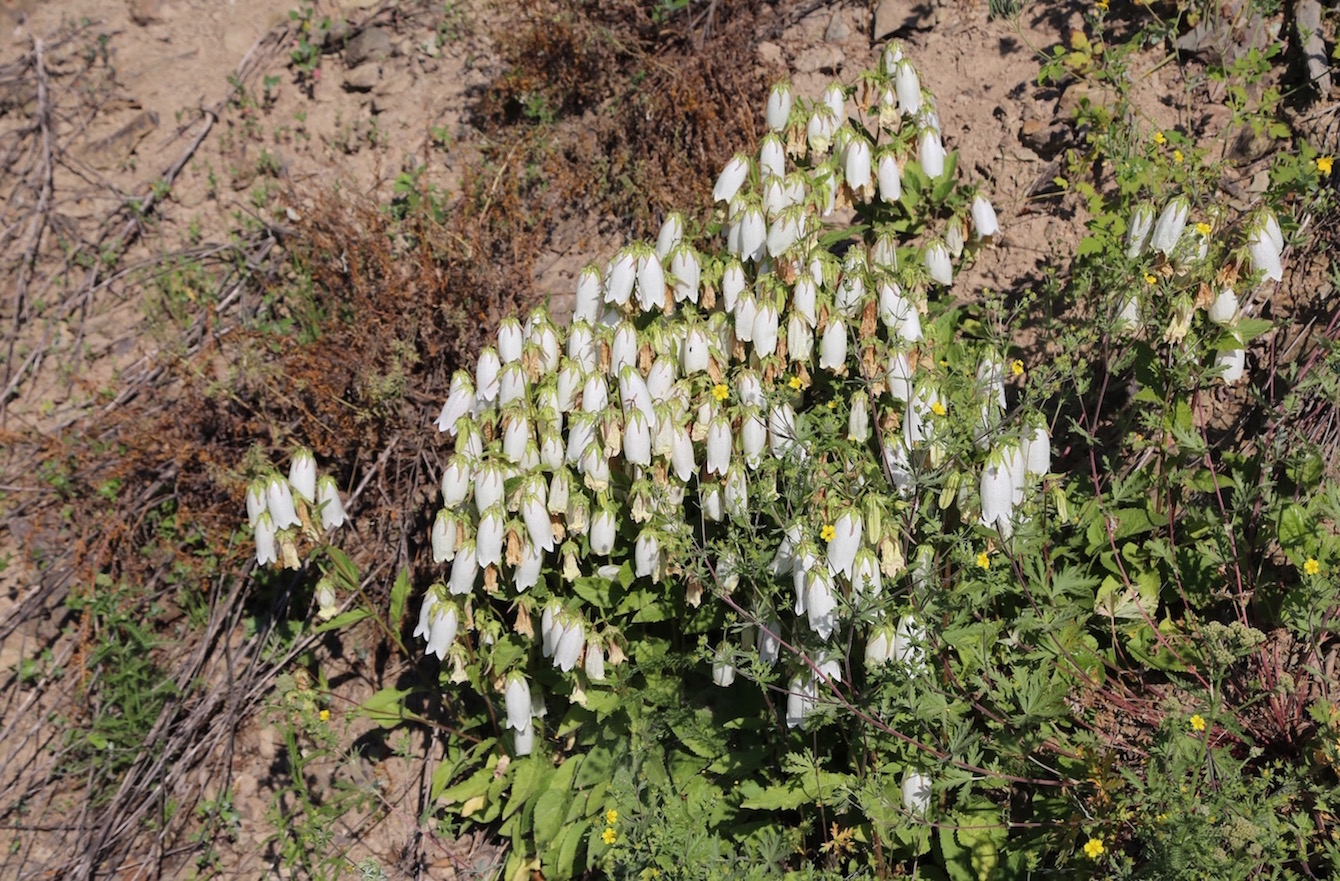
{"points": [[704, 380], [279, 510]]}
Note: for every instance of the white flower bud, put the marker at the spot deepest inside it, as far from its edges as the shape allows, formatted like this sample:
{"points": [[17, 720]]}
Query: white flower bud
{"points": [[604, 530], [984, 222], [732, 284], [709, 499], [732, 177], [595, 661], [460, 400], [516, 436], [857, 168], [1142, 221], [1225, 307], [723, 673], [444, 535], [463, 570], [637, 439], [686, 271], [1170, 225], [569, 647], [765, 328], [672, 233], [858, 420], [279, 502], [938, 264], [255, 501], [1264, 254], [804, 298], [1234, 364], [648, 558], [778, 111], [512, 384], [527, 573], [620, 277], [265, 539], [833, 348], [510, 339], [516, 696], [931, 153], [771, 158], [302, 474], [916, 792], [587, 307], [908, 86], [623, 351], [489, 537], [820, 605], [489, 479], [746, 310], [890, 177], [487, 370], [1037, 448], [650, 281]]}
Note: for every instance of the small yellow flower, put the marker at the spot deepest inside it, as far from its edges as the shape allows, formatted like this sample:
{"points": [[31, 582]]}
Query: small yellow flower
{"points": [[1312, 567], [1017, 367], [1094, 848], [1102, 4], [1150, 279], [1160, 140], [609, 836], [1324, 164], [827, 532], [938, 409], [832, 404], [1198, 722], [983, 560], [325, 715], [795, 383], [1177, 156], [720, 391], [611, 817], [1203, 228]]}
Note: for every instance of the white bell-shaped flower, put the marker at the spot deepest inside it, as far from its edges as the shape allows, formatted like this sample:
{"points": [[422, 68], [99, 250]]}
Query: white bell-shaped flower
{"points": [[802, 698], [328, 501], [732, 284], [771, 158], [671, 234], [681, 454], [799, 339], [604, 531], [623, 350], [551, 449], [637, 439], [464, 569], [489, 537], [560, 491], [650, 281], [820, 604], [786, 230], [595, 661], [765, 328], [1037, 448], [778, 110], [488, 485], [302, 474], [907, 644], [487, 370], [1015, 459], [1170, 224], [736, 492], [920, 410], [512, 384], [444, 535], [746, 310], [621, 277], [1137, 233], [752, 228], [535, 514], [543, 340], [587, 306], [938, 264], [581, 434], [1225, 306], [1233, 364], [661, 379], [570, 381], [804, 300], [569, 646], [265, 539], [732, 177], [984, 222], [908, 86], [648, 557], [279, 502], [781, 430], [865, 575], [898, 376], [523, 741], [456, 483], [833, 347], [443, 621], [718, 445], [516, 697], [898, 464], [819, 131], [858, 419], [997, 493], [931, 153], [858, 162], [550, 628], [634, 394], [776, 198], [753, 437], [595, 395], [916, 792], [528, 571], [769, 642], [686, 272], [711, 502], [878, 647], [256, 504], [850, 295], [510, 340], [1264, 254], [848, 530], [890, 176], [516, 435], [697, 352]]}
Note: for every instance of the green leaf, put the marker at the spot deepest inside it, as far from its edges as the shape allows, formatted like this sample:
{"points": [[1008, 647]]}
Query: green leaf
{"points": [[1294, 530], [779, 797], [387, 707], [1089, 245], [1249, 329], [344, 619], [1133, 602], [399, 596]]}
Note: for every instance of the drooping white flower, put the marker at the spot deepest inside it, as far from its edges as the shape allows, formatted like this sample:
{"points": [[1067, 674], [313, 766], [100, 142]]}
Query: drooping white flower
{"points": [[916, 792], [898, 464], [523, 741], [846, 541], [804, 298], [1233, 363], [931, 153], [527, 572], [878, 646], [786, 230], [510, 340], [489, 479], [833, 347], [595, 395], [1037, 446], [908, 86], [732, 284], [850, 295], [898, 376], [637, 439], [1264, 254], [489, 537], [604, 531], [650, 281], [857, 166], [302, 474], [569, 646], [587, 306], [443, 621], [516, 697], [328, 501], [1016, 462], [621, 277], [771, 158], [279, 503], [460, 400], [671, 234], [820, 129], [456, 480], [710, 500], [753, 437], [858, 419], [686, 272], [595, 661], [984, 222], [1137, 234], [623, 350], [799, 339], [1225, 306], [634, 394], [1170, 224], [769, 642], [920, 410], [765, 328], [723, 672], [997, 494], [648, 556], [265, 539], [938, 264], [516, 436], [512, 384], [464, 569], [681, 454], [865, 575], [535, 513], [802, 697], [487, 370], [732, 177], [781, 430], [778, 111], [736, 493], [255, 501], [752, 230], [820, 604], [890, 177], [718, 445]]}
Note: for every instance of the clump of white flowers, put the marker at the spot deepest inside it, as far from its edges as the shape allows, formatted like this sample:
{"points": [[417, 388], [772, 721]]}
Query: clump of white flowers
{"points": [[691, 385], [281, 511]]}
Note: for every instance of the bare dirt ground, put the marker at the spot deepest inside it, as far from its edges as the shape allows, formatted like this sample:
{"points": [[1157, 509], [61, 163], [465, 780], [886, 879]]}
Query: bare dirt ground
{"points": [[142, 131]]}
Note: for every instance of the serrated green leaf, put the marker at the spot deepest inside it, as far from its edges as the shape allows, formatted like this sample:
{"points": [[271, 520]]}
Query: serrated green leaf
{"points": [[344, 619], [399, 597]]}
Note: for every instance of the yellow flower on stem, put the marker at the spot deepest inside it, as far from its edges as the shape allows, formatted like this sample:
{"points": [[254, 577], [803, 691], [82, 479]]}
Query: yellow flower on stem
{"points": [[1151, 279], [1312, 567], [609, 836], [1324, 164], [795, 383], [1203, 228], [1160, 139], [1177, 156], [1094, 848], [1017, 367], [938, 409], [827, 532], [1197, 722], [325, 715], [983, 560], [1102, 4], [611, 817], [720, 391]]}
